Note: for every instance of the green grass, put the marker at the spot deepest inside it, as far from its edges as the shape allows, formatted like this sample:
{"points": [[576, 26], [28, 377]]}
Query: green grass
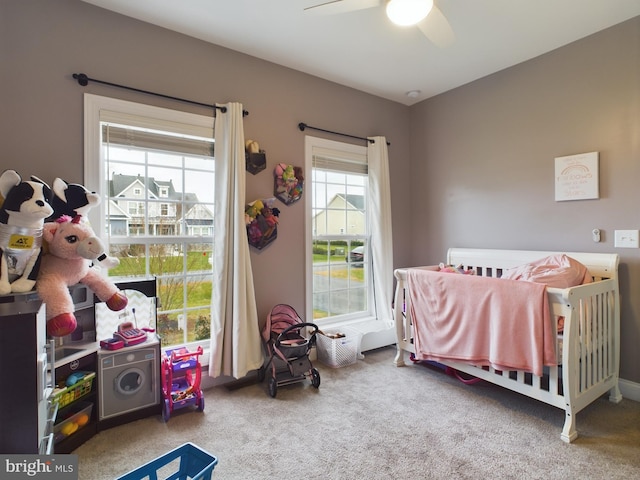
{"points": [[198, 294], [135, 265], [317, 258]]}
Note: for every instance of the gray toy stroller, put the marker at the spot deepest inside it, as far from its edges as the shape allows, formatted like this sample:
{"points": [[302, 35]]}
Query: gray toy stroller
{"points": [[288, 350]]}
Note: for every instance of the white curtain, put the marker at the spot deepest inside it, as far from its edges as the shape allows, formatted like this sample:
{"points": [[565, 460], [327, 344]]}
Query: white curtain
{"points": [[380, 218], [236, 346]]}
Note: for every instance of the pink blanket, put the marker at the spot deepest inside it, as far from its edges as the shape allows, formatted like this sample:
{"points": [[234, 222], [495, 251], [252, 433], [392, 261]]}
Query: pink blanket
{"points": [[481, 320]]}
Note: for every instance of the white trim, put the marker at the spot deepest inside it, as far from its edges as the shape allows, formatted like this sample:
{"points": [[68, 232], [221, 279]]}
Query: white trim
{"points": [[99, 109], [331, 149], [629, 389]]}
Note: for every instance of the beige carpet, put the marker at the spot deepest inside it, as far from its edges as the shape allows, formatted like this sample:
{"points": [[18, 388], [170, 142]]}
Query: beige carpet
{"points": [[373, 420]]}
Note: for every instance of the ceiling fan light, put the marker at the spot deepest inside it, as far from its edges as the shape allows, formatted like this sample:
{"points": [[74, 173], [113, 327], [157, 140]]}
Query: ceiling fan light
{"points": [[408, 12]]}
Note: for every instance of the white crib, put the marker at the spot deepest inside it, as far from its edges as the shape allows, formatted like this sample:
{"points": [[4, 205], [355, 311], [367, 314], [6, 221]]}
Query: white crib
{"points": [[588, 349]]}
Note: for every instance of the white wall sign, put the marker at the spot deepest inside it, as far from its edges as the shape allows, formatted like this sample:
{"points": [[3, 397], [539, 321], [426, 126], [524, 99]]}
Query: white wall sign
{"points": [[577, 177]]}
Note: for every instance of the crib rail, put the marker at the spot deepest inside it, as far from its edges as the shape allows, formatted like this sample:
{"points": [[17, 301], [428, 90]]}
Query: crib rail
{"points": [[600, 265], [588, 347]]}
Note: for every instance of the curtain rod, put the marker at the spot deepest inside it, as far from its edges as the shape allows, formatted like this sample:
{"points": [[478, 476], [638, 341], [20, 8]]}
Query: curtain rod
{"points": [[302, 127], [84, 80]]}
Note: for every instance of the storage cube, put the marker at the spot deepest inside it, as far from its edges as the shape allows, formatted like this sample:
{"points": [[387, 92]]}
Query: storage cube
{"points": [[70, 425]]}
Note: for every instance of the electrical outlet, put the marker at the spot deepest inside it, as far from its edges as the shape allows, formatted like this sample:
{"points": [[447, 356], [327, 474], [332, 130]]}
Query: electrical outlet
{"points": [[626, 239]]}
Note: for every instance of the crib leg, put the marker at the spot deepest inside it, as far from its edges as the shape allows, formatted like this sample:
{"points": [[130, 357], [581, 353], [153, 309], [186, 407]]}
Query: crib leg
{"points": [[398, 361], [615, 395], [569, 432]]}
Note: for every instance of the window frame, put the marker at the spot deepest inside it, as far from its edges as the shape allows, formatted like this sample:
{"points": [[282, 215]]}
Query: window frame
{"points": [[99, 108], [345, 151]]}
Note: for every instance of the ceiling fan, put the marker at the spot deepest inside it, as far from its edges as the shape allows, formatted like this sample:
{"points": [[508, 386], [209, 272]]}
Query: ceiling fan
{"points": [[422, 13]]}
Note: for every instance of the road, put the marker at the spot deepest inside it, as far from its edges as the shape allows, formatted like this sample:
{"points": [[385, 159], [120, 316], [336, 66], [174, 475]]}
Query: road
{"points": [[341, 299]]}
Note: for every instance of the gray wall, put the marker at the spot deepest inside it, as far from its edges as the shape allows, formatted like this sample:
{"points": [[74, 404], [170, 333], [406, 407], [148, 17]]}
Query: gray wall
{"points": [[472, 167], [482, 166], [41, 123]]}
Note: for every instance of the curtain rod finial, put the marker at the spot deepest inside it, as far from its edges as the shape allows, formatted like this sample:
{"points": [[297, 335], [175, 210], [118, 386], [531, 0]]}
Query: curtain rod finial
{"points": [[302, 126], [82, 79]]}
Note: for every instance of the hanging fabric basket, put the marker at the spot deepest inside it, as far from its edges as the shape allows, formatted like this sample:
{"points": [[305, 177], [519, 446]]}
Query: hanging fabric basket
{"points": [[255, 159], [261, 219], [288, 183]]}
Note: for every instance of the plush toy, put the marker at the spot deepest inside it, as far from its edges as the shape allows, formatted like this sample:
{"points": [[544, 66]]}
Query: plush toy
{"points": [[73, 199], [455, 269], [251, 146], [270, 216], [279, 170], [288, 183], [72, 246], [24, 209], [261, 220]]}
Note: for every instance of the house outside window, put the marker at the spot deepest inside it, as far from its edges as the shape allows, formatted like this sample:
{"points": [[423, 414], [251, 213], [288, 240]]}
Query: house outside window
{"points": [[155, 170], [338, 264]]}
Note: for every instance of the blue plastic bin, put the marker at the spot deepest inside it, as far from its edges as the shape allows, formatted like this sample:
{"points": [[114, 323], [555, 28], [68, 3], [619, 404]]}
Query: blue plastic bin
{"points": [[192, 463]]}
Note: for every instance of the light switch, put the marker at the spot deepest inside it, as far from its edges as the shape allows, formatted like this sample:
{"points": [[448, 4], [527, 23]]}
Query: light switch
{"points": [[626, 239]]}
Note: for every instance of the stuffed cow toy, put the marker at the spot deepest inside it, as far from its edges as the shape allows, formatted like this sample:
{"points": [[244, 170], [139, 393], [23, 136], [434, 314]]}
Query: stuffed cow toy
{"points": [[73, 199], [24, 207], [72, 247]]}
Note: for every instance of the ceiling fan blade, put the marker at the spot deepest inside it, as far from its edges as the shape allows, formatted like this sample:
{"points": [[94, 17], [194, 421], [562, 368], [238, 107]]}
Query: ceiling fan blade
{"points": [[436, 28], [341, 6]]}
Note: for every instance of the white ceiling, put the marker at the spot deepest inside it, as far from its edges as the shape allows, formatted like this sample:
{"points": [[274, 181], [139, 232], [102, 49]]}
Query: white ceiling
{"points": [[364, 50]]}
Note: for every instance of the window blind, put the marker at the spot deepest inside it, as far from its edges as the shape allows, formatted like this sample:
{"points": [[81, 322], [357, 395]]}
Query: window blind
{"points": [[151, 140], [339, 161]]}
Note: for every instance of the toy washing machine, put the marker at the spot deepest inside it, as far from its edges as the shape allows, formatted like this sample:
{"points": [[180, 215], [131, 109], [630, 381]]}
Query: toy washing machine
{"points": [[129, 378]]}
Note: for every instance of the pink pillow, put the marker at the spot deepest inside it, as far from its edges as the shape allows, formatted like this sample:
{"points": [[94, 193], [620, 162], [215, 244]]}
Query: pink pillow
{"points": [[558, 271]]}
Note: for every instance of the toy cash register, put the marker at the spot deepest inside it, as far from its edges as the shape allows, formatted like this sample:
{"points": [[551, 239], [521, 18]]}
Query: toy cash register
{"points": [[129, 334]]}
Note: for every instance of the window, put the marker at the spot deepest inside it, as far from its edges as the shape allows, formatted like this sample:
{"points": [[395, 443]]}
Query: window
{"points": [[155, 169], [338, 263]]}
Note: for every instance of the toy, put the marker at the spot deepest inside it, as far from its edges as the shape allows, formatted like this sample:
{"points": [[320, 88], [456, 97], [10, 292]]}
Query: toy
{"points": [[288, 183], [181, 375], [72, 245], [82, 420], [261, 219], [25, 207], [455, 269], [252, 146], [73, 199], [74, 378]]}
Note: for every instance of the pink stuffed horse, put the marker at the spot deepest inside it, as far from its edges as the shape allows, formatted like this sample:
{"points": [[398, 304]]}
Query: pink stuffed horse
{"points": [[72, 246]]}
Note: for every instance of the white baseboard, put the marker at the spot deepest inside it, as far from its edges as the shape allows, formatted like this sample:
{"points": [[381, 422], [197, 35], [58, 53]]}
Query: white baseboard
{"points": [[630, 390]]}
